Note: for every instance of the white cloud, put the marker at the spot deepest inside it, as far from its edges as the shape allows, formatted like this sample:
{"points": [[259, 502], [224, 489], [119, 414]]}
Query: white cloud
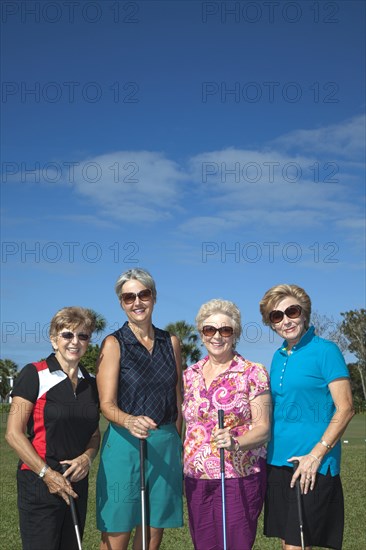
{"points": [[304, 179], [346, 139], [290, 185], [135, 186]]}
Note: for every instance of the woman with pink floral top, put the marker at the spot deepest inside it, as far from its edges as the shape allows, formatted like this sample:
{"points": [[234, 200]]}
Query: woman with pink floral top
{"points": [[224, 380]]}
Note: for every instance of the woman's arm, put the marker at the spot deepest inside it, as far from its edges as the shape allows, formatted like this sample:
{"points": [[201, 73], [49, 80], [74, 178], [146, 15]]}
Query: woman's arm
{"points": [[107, 377], [261, 412], [178, 362], [19, 414], [341, 393]]}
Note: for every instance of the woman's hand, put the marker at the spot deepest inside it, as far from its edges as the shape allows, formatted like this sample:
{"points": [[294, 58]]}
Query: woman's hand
{"points": [[58, 485], [78, 467], [306, 471], [223, 439], [139, 426]]}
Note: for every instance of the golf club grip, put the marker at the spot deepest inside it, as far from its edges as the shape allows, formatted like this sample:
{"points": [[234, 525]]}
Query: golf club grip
{"points": [[299, 506], [295, 464], [298, 492], [74, 516], [220, 413]]}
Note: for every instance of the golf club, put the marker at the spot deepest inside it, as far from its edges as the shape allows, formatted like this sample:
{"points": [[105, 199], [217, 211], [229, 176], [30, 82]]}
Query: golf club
{"points": [[142, 488], [74, 516], [222, 470], [299, 507]]}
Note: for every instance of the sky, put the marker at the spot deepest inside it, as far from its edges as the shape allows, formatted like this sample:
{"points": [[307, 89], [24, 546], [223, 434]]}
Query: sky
{"points": [[220, 145]]}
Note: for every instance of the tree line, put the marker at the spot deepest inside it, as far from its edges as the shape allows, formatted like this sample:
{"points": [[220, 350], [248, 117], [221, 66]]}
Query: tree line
{"points": [[349, 334]]}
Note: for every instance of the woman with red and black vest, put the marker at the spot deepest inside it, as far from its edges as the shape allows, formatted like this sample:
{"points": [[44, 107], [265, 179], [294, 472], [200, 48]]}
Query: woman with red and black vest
{"points": [[53, 424]]}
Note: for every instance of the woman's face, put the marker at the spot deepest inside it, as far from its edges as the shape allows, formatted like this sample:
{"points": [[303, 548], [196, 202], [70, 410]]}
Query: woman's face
{"points": [[71, 344], [139, 310], [217, 345], [290, 329]]}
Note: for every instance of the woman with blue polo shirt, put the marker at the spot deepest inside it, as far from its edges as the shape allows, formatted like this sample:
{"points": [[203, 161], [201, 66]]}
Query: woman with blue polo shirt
{"points": [[312, 406]]}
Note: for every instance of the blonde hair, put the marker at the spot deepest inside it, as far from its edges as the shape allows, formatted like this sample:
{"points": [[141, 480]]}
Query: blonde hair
{"points": [[71, 318], [220, 306], [277, 293]]}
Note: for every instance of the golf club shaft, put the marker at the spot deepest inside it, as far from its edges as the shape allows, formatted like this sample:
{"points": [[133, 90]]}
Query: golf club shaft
{"points": [[222, 470], [74, 515], [142, 489], [299, 507]]}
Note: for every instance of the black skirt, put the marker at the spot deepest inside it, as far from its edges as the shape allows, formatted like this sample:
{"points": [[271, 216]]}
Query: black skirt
{"points": [[322, 510]]}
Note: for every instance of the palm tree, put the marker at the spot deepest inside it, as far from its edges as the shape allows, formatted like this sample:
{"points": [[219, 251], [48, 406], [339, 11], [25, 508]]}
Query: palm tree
{"points": [[89, 360], [100, 322], [8, 369], [189, 341]]}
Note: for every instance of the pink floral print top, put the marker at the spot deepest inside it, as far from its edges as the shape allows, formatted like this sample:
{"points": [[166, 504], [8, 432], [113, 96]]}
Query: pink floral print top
{"points": [[231, 391]]}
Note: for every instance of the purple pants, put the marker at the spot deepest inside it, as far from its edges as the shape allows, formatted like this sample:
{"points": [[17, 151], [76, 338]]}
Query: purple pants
{"points": [[243, 499]]}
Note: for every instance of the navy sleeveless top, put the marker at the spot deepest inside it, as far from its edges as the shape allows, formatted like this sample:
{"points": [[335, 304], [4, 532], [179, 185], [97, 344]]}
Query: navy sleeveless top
{"points": [[147, 382]]}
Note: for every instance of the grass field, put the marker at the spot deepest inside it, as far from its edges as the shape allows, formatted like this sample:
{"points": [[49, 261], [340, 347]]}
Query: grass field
{"points": [[353, 478]]}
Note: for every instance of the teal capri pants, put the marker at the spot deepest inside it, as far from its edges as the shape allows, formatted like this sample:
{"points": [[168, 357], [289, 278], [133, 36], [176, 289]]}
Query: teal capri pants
{"points": [[118, 480]]}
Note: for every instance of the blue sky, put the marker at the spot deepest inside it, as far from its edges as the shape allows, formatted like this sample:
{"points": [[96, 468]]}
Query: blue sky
{"points": [[218, 144]]}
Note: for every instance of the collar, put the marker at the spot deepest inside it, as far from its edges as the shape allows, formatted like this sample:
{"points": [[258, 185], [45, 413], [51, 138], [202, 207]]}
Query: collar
{"points": [[238, 364], [54, 365], [304, 341], [130, 338]]}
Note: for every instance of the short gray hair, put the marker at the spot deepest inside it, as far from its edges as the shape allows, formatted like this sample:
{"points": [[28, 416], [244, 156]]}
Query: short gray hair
{"points": [[141, 275]]}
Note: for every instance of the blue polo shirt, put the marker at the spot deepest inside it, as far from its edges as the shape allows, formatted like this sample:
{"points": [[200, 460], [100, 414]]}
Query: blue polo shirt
{"points": [[302, 403]]}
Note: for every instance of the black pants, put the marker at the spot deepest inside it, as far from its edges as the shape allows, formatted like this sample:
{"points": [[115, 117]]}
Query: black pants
{"points": [[45, 520]]}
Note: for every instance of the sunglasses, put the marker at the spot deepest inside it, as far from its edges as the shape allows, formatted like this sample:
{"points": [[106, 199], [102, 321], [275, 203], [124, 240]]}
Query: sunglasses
{"points": [[70, 336], [144, 295], [210, 331], [292, 312]]}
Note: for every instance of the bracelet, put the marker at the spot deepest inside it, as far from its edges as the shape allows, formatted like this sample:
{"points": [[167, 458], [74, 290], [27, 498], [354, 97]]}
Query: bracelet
{"points": [[316, 458], [43, 471], [325, 444], [89, 460]]}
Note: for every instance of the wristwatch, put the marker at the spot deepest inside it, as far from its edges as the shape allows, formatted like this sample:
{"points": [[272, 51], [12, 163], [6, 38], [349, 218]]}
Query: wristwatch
{"points": [[43, 471], [236, 444]]}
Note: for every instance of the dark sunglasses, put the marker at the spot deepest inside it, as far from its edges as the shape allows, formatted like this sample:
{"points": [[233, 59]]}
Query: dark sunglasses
{"points": [[144, 295], [210, 331], [292, 312], [70, 336]]}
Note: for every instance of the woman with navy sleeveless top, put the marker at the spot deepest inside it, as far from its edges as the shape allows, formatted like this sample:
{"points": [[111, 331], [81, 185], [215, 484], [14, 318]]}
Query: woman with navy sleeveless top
{"points": [[139, 383]]}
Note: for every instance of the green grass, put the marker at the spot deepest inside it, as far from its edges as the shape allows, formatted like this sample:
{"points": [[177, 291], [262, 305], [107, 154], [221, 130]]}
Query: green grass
{"points": [[353, 478]]}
